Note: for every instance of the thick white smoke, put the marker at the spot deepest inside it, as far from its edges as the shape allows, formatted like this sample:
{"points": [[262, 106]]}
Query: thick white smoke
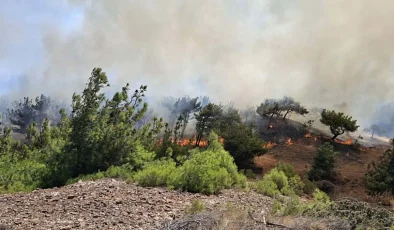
{"points": [[319, 52]]}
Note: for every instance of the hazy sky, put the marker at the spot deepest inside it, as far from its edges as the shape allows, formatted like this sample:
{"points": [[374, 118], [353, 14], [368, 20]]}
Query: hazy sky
{"points": [[320, 52]]}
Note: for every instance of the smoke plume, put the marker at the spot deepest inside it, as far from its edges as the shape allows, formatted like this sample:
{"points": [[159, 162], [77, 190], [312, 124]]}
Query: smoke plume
{"points": [[319, 52]]}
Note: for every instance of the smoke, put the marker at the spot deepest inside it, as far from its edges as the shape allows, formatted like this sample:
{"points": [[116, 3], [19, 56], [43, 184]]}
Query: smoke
{"points": [[319, 52]]}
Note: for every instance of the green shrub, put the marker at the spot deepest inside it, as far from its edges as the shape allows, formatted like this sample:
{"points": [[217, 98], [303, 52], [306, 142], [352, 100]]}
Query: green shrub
{"points": [[267, 187], [379, 177], [324, 163], [296, 184], [288, 191], [288, 206], [208, 171], [278, 177], [274, 183], [156, 173], [309, 186], [287, 169]]}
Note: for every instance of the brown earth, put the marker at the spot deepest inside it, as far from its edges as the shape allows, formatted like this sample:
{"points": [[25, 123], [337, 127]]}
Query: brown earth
{"points": [[111, 204], [351, 163]]}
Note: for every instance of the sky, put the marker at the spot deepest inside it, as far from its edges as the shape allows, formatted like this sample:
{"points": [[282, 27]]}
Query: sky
{"points": [[321, 53], [22, 23]]}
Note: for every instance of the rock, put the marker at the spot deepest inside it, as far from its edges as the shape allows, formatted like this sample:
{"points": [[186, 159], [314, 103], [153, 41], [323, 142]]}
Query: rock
{"points": [[94, 205]]}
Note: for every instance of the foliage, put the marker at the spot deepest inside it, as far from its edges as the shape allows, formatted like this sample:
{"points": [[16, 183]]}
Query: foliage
{"points": [[19, 170], [104, 132], [26, 112], [268, 109], [208, 119], [240, 140], [122, 172], [288, 206], [273, 183], [208, 171], [338, 122], [309, 186], [324, 163], [156, 173], [379, 177], [281, 180], [243, 144], [288, 105], [280, 108]]}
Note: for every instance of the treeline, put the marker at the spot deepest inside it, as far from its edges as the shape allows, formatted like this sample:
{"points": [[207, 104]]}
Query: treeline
{"points": [[119, 137], [101, 134]]}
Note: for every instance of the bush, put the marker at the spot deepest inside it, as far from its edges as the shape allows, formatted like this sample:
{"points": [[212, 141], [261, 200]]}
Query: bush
{"points": [[325, 186], [309, 186], [274, 183], [287, 169], [267, 187], [296, 184], [324, 163], [156, 173], [208, 171], [281, 180], [288, 206], [380, 177]]}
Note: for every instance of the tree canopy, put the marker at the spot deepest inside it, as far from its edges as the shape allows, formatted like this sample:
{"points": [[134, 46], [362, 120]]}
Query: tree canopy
{"points": [[338, 122]]}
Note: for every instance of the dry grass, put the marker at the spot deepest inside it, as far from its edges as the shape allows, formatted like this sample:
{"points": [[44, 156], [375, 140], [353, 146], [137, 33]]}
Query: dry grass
{"points": [[241, 219]]}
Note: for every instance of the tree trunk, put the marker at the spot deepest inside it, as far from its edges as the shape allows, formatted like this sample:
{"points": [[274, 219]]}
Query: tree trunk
{"points": [[334, 137], [287, 112], [198, 139], [373, 132]]}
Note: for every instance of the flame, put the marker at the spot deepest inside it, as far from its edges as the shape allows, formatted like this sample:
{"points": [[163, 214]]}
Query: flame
{"points": [[289, 142], [270, 126], [308, 135], [269, 145], [346, 142], [187, 141]]}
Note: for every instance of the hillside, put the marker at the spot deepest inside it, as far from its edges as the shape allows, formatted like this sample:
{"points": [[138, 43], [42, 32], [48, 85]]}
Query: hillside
{"points": [[110, 204], [298, 149]]}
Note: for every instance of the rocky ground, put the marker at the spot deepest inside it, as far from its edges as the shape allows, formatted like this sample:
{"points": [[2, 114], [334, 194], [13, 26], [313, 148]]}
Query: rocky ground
{"points": [[110, 204]]}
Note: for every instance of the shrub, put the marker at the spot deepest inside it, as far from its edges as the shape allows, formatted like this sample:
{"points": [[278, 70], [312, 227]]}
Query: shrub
{"points": [[324, 163], [325, 186], [286, 206], [208, 171], [267, 187], [273, 183], [309, 186], [156, 173], [287, 169], [296, 184], [380, 177]]}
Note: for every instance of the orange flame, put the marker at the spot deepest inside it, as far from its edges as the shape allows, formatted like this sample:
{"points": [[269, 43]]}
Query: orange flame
{"points": [[186, 142], [269, 145], [347, 142], [289, 142], [308, 135]]}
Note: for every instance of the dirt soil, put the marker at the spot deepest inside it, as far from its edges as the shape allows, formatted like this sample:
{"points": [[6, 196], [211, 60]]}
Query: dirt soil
{"points": [[110, 204], [351, 163]]}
